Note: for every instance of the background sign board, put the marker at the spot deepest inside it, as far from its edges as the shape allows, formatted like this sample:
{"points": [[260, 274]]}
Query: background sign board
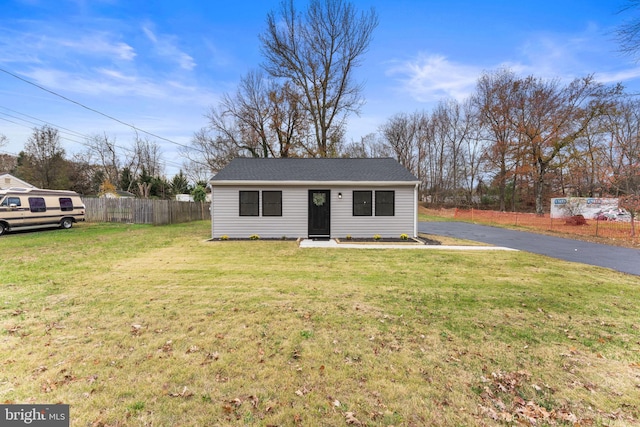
{"points": [[589, 207]]}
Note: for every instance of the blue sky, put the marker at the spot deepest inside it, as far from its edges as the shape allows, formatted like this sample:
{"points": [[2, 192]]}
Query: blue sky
{"points": [[161, 65]]}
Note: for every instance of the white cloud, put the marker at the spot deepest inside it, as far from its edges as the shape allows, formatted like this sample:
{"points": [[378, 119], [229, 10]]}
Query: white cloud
{"points": [[166, 47], [47, 46], [98, 44], [433, 77], [150, 35], [618, 76], [103, 82]]}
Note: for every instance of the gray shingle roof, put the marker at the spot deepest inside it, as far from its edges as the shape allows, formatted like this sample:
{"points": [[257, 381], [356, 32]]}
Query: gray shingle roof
{"points": [[323, 169]]}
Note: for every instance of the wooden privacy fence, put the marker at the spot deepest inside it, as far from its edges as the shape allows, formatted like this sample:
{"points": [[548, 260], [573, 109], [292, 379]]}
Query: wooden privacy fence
{"points": [[592, 227], [144, 211]]}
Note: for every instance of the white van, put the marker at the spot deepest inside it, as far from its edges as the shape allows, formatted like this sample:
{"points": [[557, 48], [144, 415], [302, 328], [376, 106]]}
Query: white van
{"points": [[27, 208]]}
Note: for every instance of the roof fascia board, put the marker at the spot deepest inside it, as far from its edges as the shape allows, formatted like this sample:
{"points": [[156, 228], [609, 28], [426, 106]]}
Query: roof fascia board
{"points": [[221, 183]]}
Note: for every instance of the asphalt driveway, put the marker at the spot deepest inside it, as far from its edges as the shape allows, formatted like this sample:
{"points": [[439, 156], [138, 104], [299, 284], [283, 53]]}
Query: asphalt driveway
{"points": [[616, 258]]}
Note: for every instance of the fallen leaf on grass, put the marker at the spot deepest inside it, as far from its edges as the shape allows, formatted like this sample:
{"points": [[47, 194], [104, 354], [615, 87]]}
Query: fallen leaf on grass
{"points": [[351, 419], [301, 392], [14, 329], [47, 386], [254, 401], [193, 349], [40, 368], [184, 393], [167, 347], [210, 357]]}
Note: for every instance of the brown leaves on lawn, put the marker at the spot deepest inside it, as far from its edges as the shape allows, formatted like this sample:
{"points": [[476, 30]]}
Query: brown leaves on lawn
{"points": [[233, 407], [193, 349], [64, 377], [13, 330], [53, 325], [167, 347], [302, 391], [351, 419], [210, 357], [102, 423], [18, 312], [502, 401]]}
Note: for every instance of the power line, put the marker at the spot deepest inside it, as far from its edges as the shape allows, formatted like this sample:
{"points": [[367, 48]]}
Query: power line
{"points": [[96, 111], [40, 120], [62, 136], [61, 133]]}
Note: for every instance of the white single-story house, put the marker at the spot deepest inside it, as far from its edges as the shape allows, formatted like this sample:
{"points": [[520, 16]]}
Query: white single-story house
{"points": [[7, 181], [314, 198]]}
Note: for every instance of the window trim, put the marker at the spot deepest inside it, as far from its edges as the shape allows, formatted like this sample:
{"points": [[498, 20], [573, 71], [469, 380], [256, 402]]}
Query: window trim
{"points": [[251, 206], [380, 206], [265, 204], [355, 205]]}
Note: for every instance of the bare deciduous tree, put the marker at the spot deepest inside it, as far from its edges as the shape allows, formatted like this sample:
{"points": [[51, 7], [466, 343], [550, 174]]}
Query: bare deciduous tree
{"points": [[103, 151], [400, 133], [317, 52], [263, 119], [210, 151], [147, 156], [550, 116], [369, 146], [623, 152], [493, 101], [453, 127], [628, 33]]}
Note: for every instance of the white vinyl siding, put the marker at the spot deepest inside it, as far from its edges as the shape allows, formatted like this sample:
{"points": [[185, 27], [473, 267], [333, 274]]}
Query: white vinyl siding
{"points": [[343, 222], [294, 221], [226, 219]]}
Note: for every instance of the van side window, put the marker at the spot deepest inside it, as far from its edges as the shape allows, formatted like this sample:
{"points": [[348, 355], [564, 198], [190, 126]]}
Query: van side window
{"points": [[8, 201], [36, 204], [66, 204]]}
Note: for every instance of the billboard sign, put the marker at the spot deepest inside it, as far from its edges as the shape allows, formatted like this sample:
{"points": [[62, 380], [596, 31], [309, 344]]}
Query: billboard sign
{"points": [[590, 207]]}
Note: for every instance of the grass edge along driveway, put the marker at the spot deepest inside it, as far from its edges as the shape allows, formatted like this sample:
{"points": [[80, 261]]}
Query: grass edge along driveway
{"points": [[140, 325]]}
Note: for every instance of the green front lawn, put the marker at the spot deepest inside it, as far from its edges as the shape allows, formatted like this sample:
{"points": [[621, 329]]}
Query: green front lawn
{"points": [[141, 325]]}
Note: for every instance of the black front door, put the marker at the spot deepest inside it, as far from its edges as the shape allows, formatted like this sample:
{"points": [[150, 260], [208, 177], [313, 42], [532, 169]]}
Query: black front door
{"points": [[319, 213]]}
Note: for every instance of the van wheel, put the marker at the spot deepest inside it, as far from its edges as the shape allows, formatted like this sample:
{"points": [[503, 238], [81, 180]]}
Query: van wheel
{"points": [[66, 223], [3, 229]]}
